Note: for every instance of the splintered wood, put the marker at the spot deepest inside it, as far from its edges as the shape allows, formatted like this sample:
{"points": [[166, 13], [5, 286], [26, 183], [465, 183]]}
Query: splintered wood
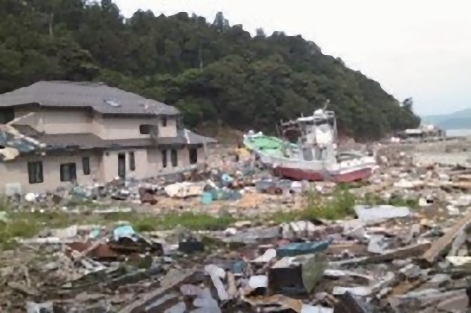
{"points": [[441, 245], [172, 279], [9, 152]]}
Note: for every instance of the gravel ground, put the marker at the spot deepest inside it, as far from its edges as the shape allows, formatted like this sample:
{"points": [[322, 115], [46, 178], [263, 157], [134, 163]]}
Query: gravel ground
{"points": [[442, 158]]}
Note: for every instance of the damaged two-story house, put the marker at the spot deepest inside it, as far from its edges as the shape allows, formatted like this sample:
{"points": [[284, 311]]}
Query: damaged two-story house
{"points": [[53, 133]]}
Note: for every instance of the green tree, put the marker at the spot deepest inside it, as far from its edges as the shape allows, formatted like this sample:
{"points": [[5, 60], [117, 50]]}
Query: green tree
{"points": [[214, 73]]}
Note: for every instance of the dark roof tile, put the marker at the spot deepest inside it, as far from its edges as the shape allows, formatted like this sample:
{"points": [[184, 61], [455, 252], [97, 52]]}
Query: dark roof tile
{"points": [[28, 131], [98, 96], [79, 141]]}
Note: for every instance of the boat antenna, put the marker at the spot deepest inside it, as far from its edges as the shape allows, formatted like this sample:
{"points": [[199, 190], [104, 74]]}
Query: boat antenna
{"points": [[326, 104]]}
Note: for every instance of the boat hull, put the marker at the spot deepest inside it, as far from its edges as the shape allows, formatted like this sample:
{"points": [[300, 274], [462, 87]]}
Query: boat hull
{"points": [[341, 177], [317, 171], [269, 151]]}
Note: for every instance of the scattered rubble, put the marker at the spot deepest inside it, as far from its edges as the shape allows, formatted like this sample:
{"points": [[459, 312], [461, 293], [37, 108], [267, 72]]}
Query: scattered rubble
{"points": [[397, 243]]}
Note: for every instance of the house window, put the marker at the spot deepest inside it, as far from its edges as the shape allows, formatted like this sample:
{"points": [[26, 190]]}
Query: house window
{"points": [[68, 172], [164, 121], [144, 129], [193, 154], [35, 172], [174, 158], [86, 165], [164, 158], [132, 161], [122, 165]]}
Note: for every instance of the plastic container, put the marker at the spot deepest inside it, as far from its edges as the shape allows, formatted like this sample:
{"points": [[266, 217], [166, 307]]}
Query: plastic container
{"points": [[206, 198]]}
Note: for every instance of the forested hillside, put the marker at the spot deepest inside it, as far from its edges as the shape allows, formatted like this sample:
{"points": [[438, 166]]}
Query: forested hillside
{"points": [[214, 72]]}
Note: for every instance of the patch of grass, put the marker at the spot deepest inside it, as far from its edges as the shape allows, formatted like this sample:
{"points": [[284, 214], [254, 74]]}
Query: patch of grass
{"points": [[338, 206], [75, 202], [29, 224], [187, 219], [396, 200], [150, 222], [351, 185], [18, 228]]}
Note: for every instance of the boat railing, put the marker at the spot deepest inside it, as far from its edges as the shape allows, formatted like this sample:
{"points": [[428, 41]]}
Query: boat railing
{"points": [[253, 135]]}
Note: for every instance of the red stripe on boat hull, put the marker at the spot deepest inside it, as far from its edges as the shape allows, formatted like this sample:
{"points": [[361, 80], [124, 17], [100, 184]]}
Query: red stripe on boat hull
{"points": [[298, 174]]}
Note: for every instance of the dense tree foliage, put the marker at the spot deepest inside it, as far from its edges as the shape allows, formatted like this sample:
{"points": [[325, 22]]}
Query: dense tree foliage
{"points": [[213, 72]]}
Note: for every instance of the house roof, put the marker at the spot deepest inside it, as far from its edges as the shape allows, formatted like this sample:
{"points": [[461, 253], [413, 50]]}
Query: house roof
{"points": [[185, 136], [98, 96]]}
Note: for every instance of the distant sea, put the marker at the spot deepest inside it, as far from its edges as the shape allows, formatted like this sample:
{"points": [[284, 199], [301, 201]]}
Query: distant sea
{"points": [[458, 132]]}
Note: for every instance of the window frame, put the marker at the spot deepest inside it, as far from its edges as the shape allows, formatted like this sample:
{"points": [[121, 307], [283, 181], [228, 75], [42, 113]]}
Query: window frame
{"points": [[143, 127], [164, 158], [122, 173], [86, 166], [163, 121], [72, 172], [132, 161], [33, 167], [174, 157], [190, 154]]}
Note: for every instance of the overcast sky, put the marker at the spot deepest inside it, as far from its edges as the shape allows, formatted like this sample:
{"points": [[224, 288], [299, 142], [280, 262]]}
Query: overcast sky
{"points": [[416, 48]]}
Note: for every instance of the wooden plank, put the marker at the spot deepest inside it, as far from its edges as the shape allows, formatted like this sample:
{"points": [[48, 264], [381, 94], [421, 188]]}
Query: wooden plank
{"points": [[139, 305], [440, 246]]}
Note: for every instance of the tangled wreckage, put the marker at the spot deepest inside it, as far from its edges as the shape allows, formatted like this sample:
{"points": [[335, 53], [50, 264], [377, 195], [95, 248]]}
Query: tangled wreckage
{"points": [[399, 243]]}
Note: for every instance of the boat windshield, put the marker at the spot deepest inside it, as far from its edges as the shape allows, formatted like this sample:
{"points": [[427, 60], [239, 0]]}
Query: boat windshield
{"points": [[323, 125]]}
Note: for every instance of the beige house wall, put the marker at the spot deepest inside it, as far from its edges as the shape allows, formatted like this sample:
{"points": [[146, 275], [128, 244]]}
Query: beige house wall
{"points": [[170, 130], [57, 122], [110, 165], [17, 172], [111, 128], [154, 157], [80, 121], [103, 168]]}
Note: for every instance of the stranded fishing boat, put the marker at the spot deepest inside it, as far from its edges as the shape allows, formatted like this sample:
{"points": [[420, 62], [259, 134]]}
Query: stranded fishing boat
{"points": [[314, 157]]}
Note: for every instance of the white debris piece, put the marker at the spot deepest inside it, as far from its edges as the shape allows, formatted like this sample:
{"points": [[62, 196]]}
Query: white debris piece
{"points": [[216, 273], [184, 189], [380, 212]]}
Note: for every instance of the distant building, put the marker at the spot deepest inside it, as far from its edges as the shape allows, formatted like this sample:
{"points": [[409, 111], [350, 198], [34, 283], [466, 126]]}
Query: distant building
{"points": [[84, 132], [423, 132]]}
